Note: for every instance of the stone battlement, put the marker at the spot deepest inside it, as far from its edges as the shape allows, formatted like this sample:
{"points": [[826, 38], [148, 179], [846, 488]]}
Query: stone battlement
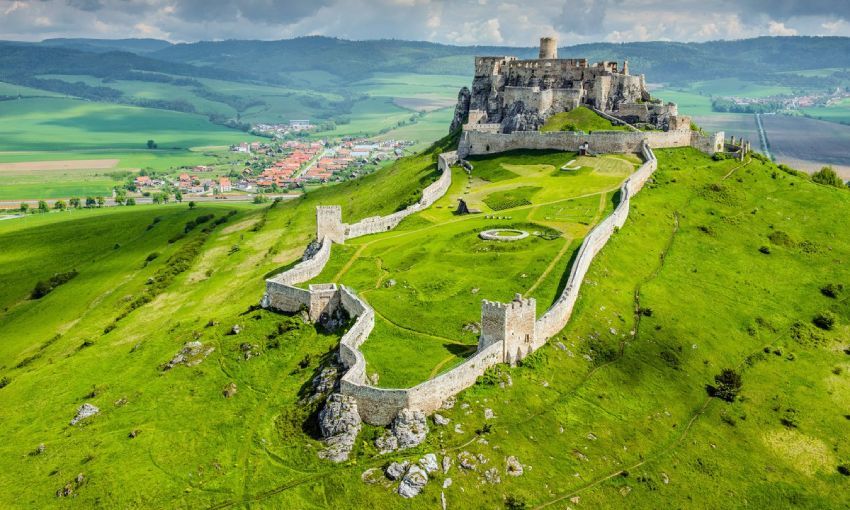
{"points": [[509, 331]]}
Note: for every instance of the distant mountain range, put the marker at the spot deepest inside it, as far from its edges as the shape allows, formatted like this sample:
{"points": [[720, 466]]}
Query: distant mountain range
{"points": [[341, 60]]}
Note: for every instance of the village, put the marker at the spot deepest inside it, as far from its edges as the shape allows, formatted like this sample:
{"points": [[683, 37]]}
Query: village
{"points": [[263, 167]]}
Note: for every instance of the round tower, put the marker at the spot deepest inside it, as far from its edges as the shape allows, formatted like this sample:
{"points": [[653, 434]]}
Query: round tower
{"points": [[548, 47]]}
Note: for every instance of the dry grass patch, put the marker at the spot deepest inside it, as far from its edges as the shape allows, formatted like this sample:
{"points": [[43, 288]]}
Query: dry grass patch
{"points": [[803, 454]]}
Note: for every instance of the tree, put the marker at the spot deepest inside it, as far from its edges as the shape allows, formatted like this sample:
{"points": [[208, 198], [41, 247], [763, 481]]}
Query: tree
{"points": [[828, 177], [178, 196], [74, 202], [130, 201], [100, 201], [42, 206], [24, 207], [151, 144], [60, 205], [192, 204], [728, 385], [90, 202], [120, 196]]}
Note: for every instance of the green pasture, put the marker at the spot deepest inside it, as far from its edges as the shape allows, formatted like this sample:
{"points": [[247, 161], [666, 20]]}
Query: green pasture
{"points": [[62, 124], [839, 112], [580, 119], [426, 280], [727, 87], [10, 89], [689, 103], [616, 416]]}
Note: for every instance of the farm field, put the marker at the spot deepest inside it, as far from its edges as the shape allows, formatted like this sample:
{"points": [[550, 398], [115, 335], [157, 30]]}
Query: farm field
{"points": [[63, 124], [733, 124], [689, 103], [731, 87], [626, 393], [50, 175], [808, 144], [839, 113], [426, 279]]}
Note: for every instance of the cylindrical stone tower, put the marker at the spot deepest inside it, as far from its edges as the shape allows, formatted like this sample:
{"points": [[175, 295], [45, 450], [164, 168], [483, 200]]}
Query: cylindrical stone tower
{"points": [[548, 47]]}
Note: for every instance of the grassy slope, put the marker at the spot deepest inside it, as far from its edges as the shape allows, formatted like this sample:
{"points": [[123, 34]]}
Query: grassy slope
{"points": [[580, 119], [197, 448], [62, 124]]}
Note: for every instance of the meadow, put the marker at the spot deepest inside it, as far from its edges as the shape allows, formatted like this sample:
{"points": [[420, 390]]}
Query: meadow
{"points": [[426, 280], [580, 119], [620, 417], [63, 124]]}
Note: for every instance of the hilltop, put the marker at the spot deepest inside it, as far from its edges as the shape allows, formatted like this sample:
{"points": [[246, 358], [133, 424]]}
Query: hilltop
{"points": [[721, 264]]}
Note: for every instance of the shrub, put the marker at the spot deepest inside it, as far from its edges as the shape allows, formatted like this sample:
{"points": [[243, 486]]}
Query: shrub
{"points": [[728, 385], [765, 250], [43, 288], [152, 256], [4, 381], [832, 290], [844, 469], [790, 418], [781, 238], [828, 177], [825, 320], [515, 502]]}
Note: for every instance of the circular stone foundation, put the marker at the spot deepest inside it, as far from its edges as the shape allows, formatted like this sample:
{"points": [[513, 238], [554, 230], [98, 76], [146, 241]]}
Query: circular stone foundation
{"points": [[503, 234]]}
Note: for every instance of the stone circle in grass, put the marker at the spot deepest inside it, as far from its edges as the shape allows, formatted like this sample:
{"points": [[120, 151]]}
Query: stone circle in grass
{"points": [[503, 234]]}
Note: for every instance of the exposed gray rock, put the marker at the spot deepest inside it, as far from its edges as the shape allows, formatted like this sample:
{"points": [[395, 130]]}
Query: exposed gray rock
{"points": [[458, 429], [325, 382], [447, 463], [249, 350], [467, 461], [560, 346], [229, 390], [441, 420], [513, 466], [396, 470], [443, 500], [84, 411], [387, 443], [518, 117], [461, 109], [340, 423], [311, 250], [413, 482], [410, 428], [236, 329], [491, 476], [429, 463], [489, 414], [447, 483], [191, 354], [449, 402]]}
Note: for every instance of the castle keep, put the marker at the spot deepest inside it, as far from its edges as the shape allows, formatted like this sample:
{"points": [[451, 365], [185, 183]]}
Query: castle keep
{"points": [[510, 95]]}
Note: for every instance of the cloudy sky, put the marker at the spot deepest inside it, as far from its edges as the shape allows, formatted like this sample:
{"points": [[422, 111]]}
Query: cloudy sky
{"points": [[515, 23]]}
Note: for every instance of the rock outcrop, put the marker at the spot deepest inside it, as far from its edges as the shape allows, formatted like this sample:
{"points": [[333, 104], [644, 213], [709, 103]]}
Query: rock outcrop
{"points": [[191, 354], [461, 109], [413, 482], [340, 423], [85, 411], [408, 429]]}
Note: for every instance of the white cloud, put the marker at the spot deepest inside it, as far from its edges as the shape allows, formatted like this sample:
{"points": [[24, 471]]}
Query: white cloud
{"points": [[777, 28]]}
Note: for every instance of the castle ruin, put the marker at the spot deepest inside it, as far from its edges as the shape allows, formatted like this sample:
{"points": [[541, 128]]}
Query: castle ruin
{"points": [[509, 94]]}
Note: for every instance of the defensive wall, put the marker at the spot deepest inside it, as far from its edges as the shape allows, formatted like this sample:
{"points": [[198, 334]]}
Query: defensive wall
{"points": [[510, 331], [477, 143]]}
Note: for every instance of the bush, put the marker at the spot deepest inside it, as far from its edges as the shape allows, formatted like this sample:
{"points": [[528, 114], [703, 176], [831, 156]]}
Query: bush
{"points": [[825, 320], [790, 418], [765, 250], [832, 290], [4, 381], [151, 257], [515, 503], [828, 177], [43, 288], [844, 469], [728, 385]]}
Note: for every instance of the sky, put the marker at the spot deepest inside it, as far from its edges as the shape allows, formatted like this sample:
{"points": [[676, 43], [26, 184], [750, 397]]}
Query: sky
{"points": [[464, 22]]}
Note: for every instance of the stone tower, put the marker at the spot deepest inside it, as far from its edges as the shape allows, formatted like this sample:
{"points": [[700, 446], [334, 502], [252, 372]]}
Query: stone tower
{"points": [[549, 47], [509, 324], [329, 223]]}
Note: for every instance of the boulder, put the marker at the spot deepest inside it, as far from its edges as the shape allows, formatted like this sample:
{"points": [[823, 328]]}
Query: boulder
{"points": [[386, 443], [467, 461], [340, 423], [191, 354], [84, 411], [491, 476], [229, 390], [441, 420], [413, 482], [447, 463], [236, 329], [513, 466], [489, 414], [372, 476], [429, 463], [410, 428], [396, 470]]}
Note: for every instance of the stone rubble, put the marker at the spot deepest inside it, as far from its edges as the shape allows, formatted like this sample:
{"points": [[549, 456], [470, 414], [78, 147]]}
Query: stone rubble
{"points": [[513, 466], [191, 354], [413, 482], [85, 411], [396, 470], [409, 429], [440, 420], [429, 463], [340, 423]]}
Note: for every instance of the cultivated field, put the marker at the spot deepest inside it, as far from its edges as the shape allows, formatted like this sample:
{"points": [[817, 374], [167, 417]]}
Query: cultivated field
{"points": [[733, 124], [808, 144]]}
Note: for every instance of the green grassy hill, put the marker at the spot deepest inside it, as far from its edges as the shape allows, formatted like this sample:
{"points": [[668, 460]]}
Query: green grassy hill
{"points": [[580, 119], [720, 265]]}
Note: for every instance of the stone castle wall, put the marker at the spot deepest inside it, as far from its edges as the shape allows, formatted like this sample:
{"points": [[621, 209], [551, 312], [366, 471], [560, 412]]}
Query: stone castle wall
{"points": [[379, 406]]}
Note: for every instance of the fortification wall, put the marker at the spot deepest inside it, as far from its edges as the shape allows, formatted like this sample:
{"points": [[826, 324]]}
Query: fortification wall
{"points": [[282, 295], [478, 143], [430, 195]]}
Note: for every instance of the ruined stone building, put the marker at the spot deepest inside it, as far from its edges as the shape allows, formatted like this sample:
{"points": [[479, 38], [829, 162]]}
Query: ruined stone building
{"points": [[510, 95]]}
